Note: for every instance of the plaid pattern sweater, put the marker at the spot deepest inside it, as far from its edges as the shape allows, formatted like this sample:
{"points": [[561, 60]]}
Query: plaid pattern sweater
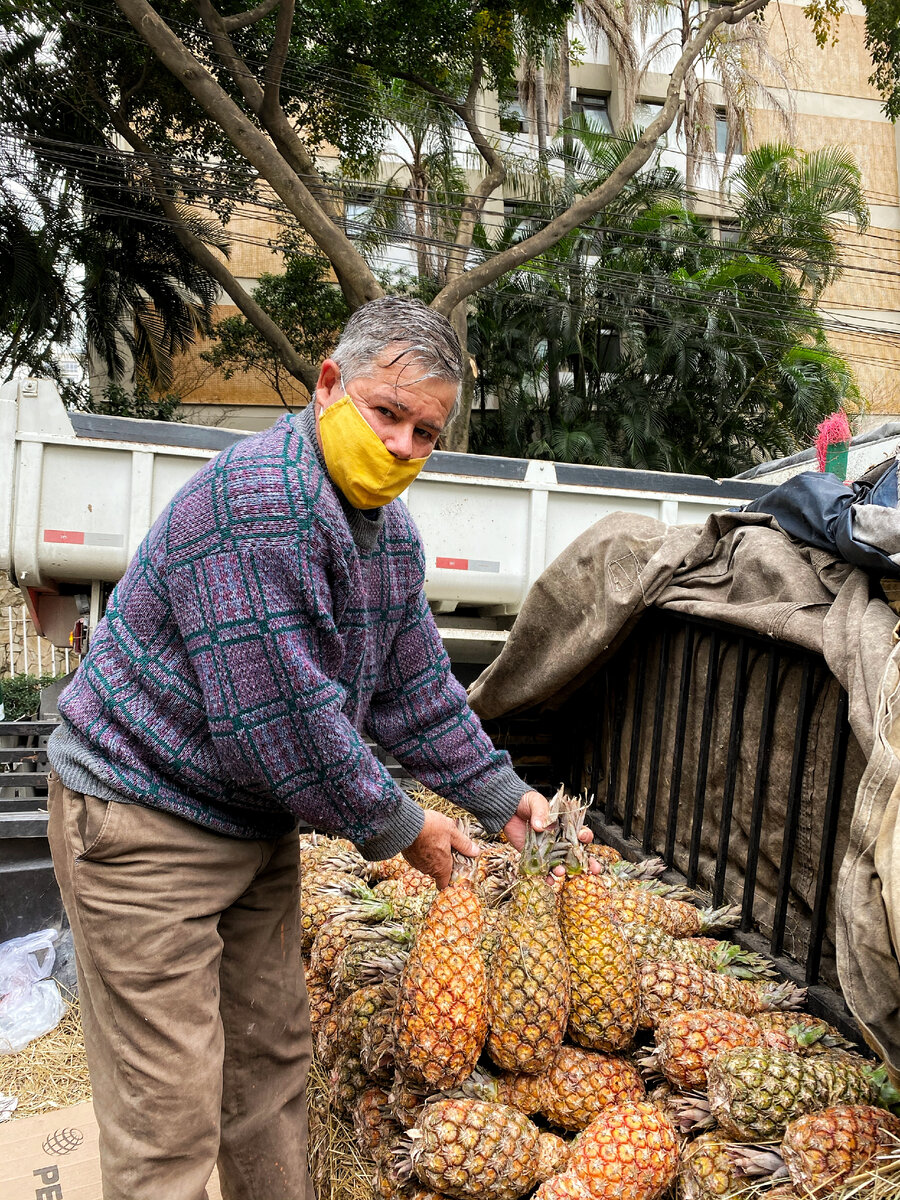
{"points": [[261, 627]]}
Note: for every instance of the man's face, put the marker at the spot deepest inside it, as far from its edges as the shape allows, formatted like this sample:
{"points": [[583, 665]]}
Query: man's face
{"points": [[406, 411]]}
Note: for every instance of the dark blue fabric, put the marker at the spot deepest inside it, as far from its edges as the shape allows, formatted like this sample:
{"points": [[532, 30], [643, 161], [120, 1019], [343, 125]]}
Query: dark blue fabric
{"points": [[817, 508]]}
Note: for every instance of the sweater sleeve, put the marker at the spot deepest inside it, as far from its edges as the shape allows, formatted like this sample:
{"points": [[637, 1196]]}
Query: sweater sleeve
{"points": [[420, 715], [258, 627]]}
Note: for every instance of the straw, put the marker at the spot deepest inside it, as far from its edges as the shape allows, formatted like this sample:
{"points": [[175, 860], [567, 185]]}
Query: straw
{"points": [[339, 1171], [51, 1072]]}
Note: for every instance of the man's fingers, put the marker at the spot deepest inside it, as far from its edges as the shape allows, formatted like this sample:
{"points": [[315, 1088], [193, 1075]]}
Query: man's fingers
{"points": [[540, 812], [463, 843], [585, 835]]}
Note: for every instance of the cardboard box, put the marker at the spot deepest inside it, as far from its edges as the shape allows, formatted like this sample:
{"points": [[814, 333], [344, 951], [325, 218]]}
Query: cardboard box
{"points": [[55, 1156]]}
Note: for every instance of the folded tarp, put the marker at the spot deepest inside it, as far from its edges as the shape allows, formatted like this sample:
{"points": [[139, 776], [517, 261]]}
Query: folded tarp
{"points": [[740, 568]]}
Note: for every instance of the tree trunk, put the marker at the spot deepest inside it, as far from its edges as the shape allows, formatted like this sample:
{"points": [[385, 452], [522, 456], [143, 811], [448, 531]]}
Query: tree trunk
{"points": [[456, 434], [540, 108]]}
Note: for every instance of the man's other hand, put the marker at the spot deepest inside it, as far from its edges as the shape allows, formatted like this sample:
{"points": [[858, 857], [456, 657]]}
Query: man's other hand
{"points": [[432, 850], [534, 810]]}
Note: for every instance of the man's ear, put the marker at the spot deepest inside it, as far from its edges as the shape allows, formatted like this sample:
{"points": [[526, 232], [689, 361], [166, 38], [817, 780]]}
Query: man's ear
{"points": [[328, 383]]}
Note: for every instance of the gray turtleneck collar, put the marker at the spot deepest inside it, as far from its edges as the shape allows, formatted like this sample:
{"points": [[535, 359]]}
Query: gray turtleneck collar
{"points": [[365, 526]]}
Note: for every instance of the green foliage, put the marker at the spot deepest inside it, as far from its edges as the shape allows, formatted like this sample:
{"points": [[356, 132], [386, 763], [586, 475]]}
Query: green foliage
{"points": [[140, 401], [647, 343], [883, 44], [310, 310], [21, 694]]}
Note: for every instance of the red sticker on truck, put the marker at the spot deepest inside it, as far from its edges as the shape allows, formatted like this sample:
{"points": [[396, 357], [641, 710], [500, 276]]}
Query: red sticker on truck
{"points": [[77, 537], [468, 564]]}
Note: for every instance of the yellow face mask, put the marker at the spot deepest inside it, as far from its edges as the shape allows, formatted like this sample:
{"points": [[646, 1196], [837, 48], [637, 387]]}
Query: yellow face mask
{"points": [[357, 459]]}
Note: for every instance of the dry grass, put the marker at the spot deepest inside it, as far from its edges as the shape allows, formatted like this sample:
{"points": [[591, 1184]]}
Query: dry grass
{"points": [[428, 799], [51, 1072], [338, 1169]]}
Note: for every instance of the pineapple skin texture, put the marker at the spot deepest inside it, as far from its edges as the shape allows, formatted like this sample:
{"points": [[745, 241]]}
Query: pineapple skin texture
{"points": [[605, 994], [688, 1041], [668, 987], [822, 1149], [440, 1022], [529, 986], [755, 1093], [469, 1148], [630, 1152], [581, 1083], [706, 1171]]}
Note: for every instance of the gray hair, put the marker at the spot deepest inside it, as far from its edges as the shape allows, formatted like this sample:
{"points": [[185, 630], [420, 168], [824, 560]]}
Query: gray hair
{"points": [[417, 331]]}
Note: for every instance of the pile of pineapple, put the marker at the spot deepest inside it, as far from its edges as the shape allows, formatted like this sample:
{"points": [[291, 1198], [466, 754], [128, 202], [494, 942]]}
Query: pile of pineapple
{"points": [[540, 1029]]}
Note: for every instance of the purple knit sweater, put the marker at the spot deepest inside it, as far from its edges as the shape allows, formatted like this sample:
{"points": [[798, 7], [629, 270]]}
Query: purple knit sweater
{"points": [[261, 628]]}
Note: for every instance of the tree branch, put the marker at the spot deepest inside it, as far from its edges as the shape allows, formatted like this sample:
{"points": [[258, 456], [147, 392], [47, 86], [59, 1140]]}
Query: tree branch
{"points": [[299, 367], [275, 64], [354, 276], [272, 116], [242, 20], [485, 273]]}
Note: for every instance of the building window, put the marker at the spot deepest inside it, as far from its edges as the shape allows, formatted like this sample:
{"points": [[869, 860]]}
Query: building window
{"points": [[513, 116], [722, 131], [729, 232], [595, 107]]}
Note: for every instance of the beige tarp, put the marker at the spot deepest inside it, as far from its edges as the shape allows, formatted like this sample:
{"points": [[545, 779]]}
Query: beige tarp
{"points": [[741, 569]]}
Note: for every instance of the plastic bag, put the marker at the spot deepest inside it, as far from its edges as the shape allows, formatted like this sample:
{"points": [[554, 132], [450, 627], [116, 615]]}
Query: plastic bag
{"points": [[30, 1003]]}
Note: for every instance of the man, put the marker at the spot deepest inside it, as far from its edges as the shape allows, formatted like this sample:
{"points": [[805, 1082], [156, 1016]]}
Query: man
{"points": [[274, 612]]}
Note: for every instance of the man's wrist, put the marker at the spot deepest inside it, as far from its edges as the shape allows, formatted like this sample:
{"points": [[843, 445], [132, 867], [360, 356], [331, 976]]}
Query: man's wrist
{"points": [[401, 831]]}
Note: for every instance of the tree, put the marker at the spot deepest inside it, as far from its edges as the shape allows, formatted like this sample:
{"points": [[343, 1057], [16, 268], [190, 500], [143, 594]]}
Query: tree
{"points": [[883, 43], [225, 81], [311, 313], [677, 352]]}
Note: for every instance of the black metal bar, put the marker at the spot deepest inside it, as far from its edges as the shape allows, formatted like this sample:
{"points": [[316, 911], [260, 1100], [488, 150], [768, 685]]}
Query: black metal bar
{"points": [[35, 754], [597, 760], [734, 747], [615, 749], [792, 816], [709, 708], [26, 728], [23, 779], [659, 713], [766, 727], [634, 750], [684, 697], [829, 837]]}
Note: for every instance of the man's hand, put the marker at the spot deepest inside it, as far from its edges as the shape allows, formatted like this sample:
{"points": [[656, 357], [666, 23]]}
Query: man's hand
{"points": [[432, 849], [534, 810]]}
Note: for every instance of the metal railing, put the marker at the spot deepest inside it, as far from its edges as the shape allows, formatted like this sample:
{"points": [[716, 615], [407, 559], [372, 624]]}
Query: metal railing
{"points": [[730, 755]]}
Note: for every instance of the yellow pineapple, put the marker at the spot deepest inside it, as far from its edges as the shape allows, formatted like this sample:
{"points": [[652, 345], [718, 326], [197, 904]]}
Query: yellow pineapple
{"points": [[528, 983], [670, 987], [440, 1021], [467, 1148], [605, 996], [688, 1041], [707, 1170]]}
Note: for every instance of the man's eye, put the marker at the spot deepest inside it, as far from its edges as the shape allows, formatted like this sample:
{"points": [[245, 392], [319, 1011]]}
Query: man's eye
{"points": [[387, 412], [426, 434]]}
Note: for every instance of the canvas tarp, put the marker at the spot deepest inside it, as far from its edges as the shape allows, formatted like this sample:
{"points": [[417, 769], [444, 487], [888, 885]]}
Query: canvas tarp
{"points": [[739, 568]]}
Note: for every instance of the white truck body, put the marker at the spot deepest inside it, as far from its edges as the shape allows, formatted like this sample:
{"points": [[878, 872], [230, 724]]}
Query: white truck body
{"points": [[78, 493]]}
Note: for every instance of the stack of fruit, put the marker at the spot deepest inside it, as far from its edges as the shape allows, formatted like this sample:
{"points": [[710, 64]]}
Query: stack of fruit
{"points": [[498, 1039]]}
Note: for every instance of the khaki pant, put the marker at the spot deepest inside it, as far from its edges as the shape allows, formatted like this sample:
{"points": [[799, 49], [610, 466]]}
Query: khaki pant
{"points": [[193, 1000]]}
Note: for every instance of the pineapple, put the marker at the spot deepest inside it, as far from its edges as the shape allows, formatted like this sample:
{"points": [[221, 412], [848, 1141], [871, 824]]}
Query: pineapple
{"points": [[654, 944], [605, 995], [398, 870], [628, 1152], [553, 1155], [346, 1082], [355, 1013], [326, 895], [327, 1045], [406, 1098], [670, 987], [473, 1148], [567, 1186], [321, 1002], [688, 1041], [376, 1046], [811, 1032], [528, 984], [440, 1021], [821, 1150], [707, 1170], [374, 954], [373, 1124], [579, 1084], [676, 917], [755, 1093]]}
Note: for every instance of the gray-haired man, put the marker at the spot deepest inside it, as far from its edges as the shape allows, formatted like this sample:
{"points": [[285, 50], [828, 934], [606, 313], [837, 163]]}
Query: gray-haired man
{"points": [[274, 612]]}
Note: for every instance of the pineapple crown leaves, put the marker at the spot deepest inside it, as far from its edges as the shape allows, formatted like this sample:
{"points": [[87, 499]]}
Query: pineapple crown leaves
{"points": [[784, 995], [571, 851], [719, 918], [730, 959], [757, 1160], [646, 868], [887, 1095], [689, 1112]]}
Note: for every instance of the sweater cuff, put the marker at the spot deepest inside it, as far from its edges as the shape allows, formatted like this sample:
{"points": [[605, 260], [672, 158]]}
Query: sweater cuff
{"points": [[497, 801], [402, 830]]}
